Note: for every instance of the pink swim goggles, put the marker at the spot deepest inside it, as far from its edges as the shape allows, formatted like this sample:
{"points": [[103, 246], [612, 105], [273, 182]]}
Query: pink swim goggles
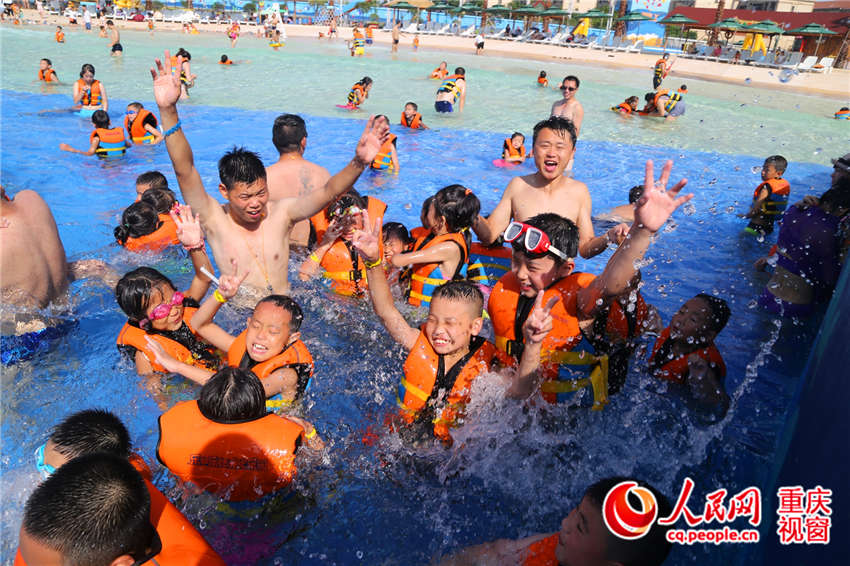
{"points": [[162, 311]]}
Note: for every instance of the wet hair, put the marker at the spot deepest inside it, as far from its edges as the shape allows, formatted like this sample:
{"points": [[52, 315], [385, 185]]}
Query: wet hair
{"points": [[223, 58], [665, 56], [288, 132], [240, 166], [631, 99], [651, 549], [162, 200], [562, 233], [558, 124], [719, 312], [779, 163], [842, 109], [290, 306], [458, 205], [58, 27], [396, 230], [46, 60], [384, 116], [462, 292], [155, 179], [365, 81], [183, 53], [100, 119], [460, 71], [109, 22], [683, 87], [542, 74], [838, 196], [520, 134], [89, 432], [137, 105], [571, 78], [649, 96], [423, 212], [133, 291], [344, 202], [92, 510], [635, 193], [232, 395], [138, 219], [415, 107]]}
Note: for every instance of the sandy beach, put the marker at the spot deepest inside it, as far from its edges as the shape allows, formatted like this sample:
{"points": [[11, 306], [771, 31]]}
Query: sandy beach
{"points": [[835, 84]]}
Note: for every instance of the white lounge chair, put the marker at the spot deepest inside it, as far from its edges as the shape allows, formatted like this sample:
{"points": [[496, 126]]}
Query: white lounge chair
{"points": [[635, 47], [825, 65], [500, 35], [470, 31], [792, 61], [412, 28], [807, 63], [445, 30], [613, 44]]}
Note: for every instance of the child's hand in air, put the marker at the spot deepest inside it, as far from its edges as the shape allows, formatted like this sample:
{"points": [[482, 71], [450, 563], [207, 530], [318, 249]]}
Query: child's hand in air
{"points": [[374, 135], [189, 230], [166, 83], [367, 241], [228, 285], [539, 322], [657, 204]]}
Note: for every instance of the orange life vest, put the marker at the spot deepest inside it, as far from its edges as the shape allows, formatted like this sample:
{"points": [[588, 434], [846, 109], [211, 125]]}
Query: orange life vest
{"points": [[542, 81], [295, 356], [660, 68], [488, 264], [384, 158], [92, 97], [228, 62], [346, 278], [320, 221], [512, 151], [842, 115], [135, 337], [60, 37], [156, 241], [357, 95], [658, 95], [676, 370], [624, 325], [426, 277], [421, 377], [777, 198], [238, 462], [419, 232], [623, 107], [415, 122], [542, 552], [48, 76], [439, 73], [111, 142], [369, 32], [136, 130]]}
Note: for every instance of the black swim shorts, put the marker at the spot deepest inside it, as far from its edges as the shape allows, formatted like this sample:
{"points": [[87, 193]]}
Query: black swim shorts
{"points": [[117, 47]]}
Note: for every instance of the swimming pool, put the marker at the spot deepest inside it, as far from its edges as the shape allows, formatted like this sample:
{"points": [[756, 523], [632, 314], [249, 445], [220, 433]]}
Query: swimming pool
{"points": [[512, 472]]}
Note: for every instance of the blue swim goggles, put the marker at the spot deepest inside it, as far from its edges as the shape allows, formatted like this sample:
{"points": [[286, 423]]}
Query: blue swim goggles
{"points": [[43, 467]]}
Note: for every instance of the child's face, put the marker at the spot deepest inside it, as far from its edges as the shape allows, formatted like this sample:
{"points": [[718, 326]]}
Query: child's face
{"points": [[163, 294], [392, 246], [43, 65], [88, 77], [432, 221], [451, 325], [768, 171], [552, 153], [690, 324], [409, 111], [268, 332], [517, 141], [535, 275], [633, 104], [350, 221], [583, 536]]}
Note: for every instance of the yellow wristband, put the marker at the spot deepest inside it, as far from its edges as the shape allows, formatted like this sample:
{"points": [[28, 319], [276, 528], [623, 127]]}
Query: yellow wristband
{"points": [[315, 258], [311, 434], [219, 297], [373, 264]]}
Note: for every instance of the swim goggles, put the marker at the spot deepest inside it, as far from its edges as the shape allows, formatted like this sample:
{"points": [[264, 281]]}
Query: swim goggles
{"points": [[43, 467], [163, 310], [536, 241], [350, 211]]}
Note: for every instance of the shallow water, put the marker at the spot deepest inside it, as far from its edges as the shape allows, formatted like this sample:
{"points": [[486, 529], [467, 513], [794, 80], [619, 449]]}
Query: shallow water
{"points": [[512, 472]]}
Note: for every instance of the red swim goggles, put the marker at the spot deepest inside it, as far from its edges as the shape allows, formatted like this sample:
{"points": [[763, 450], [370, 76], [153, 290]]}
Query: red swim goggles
{"points": [[536, 241], [163, 310]]}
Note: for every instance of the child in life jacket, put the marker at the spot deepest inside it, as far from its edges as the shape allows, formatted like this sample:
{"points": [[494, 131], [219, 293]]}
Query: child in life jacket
{"points": [[628, 106], [359, 92], [770, 199], [342, 268], [513, 149], [105, 141], [542, 80], [441, 255], [89, 93], [411, 118], [141, 125], [60, 35], [446, 354], [46, 73], [387, 158], [573, 369], [441, 71], [97, 509], [685, 352], [396, 241], [150, 180], [270, 346], [229, 422], [158, 315], [146, 225], [94, 431]]}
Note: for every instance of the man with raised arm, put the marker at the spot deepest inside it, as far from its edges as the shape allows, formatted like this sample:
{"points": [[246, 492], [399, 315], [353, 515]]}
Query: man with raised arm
{"points": [[249, 228]]}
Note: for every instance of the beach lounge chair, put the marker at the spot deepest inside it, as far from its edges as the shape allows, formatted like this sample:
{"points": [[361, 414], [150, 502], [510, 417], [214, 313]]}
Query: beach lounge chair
{"points": [[470, 31], [443, 30], [624, 46], [635, 47], [613, 44], [792, 61], [825, 65], [412, 28], [500, 35], [807, 63]]}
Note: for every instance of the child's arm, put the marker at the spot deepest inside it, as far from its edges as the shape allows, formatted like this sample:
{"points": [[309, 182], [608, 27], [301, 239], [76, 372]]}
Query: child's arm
{"points": [[590, 245], [441, 253], [103, 100], [490, 228], [191, 235], [78, 94], [394, 158], [157, 135], [311, 266], [534, 329], [651, 212], [228, 286], [313, 442], [367, 244], [171, 365], [90, 151], [756, 206], [704, 386]]}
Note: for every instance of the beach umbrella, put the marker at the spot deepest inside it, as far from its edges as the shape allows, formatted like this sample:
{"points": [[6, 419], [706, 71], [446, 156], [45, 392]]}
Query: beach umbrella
{"points": [[677, 20], [634, 16], [812, 29], [594, 13], [729, 24], [401, 5], [528, 12], [498, 11], [766, 27]]}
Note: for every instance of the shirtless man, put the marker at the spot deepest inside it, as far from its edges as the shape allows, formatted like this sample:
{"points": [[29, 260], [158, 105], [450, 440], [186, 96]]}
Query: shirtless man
{"points": [[569, 107], [292, 175], [249, 230], [548, 190], [114, 39], [396, 34], [32, 262]]}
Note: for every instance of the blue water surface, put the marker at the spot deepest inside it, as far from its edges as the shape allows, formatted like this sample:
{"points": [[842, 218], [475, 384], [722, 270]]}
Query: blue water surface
{"points": [[371, 500]]}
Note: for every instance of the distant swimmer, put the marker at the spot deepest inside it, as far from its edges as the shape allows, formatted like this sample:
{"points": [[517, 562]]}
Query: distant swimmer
{"points": [[411, 118], [46, 73], [569, 107], [104, 141], [89, 93], [624, 212], [396, 32], [187, 79], [514, 148], [387, 158], [440, 72], [225, 60], [542, 80], [661, 69], [141, 125], [60, 35], [665, 105], [358, 43], [770, 199], [233, 34], [842, 114], [452, 92], [116, 48], [359, 92], [628, 106]]}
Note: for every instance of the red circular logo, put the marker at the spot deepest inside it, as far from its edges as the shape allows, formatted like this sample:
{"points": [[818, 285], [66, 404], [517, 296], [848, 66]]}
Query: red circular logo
{"points": [[621, 518]]}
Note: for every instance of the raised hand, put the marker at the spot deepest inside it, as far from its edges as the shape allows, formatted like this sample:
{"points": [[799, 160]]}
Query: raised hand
{"points": [[374, 135], [166, 82], [657, 204], [539, 322], [189, 230], [618, 233], [367, 242], [335, 229], [228, 285]]}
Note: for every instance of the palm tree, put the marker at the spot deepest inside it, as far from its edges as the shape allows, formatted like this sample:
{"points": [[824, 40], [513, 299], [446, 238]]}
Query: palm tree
{"points": [[712, 37], [620, 30]]}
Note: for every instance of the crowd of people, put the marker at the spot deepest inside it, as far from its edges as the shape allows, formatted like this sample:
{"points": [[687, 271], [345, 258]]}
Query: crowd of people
{"points": [[560, 336]]}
